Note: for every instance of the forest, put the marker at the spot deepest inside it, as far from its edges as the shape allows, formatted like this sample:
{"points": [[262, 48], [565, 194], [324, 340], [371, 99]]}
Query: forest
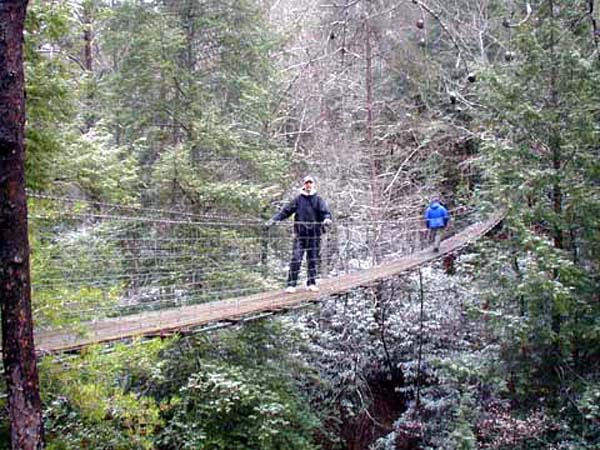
{"points": [[152, 141]]}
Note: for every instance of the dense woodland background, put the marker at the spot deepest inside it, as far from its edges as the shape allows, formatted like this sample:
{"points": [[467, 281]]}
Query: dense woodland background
{"points": [[216, 108]]}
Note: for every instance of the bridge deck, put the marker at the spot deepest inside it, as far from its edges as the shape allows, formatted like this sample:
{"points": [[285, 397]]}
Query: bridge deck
{"points": [[186, 317]]}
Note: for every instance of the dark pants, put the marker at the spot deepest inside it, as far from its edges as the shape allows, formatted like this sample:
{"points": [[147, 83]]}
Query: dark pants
{"points": [[436, 235], [310, 245]]}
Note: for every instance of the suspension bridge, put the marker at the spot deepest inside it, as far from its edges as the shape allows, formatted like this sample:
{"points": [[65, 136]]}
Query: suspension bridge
{"points": [[104, 272]]}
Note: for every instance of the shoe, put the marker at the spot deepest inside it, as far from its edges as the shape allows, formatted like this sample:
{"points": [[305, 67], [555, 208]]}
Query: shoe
{"points": [[312, 288], [290, 289]]}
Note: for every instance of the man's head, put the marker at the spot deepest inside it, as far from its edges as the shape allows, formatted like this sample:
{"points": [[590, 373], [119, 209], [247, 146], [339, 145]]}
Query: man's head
{"points": [[309, 183], [435, 199]]}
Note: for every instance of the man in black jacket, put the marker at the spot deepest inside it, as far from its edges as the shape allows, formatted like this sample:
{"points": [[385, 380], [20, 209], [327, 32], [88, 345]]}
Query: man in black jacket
{"points": [[310, 215]]}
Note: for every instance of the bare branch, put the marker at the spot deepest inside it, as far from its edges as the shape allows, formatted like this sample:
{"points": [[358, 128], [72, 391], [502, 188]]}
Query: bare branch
{"points": [[522, 22], [436, 16]]}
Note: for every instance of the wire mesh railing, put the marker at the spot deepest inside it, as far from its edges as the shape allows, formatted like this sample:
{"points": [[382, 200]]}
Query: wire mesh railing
{"points": [[92, 261]]}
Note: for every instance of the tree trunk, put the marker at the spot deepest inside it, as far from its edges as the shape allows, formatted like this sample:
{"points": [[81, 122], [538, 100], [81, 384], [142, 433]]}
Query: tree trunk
{"points": [[18, 352], [88, 37], [88, 62], [375, 195], [369, 105]]}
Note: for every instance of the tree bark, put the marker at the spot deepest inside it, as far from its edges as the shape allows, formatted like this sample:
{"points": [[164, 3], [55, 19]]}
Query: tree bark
{"points": [[88, 62], [375, 195], [18, 352], [369, 105]]}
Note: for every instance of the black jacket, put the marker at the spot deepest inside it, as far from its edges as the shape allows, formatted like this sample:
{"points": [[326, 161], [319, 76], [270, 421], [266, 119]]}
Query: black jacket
{"points": [[309, 211]]}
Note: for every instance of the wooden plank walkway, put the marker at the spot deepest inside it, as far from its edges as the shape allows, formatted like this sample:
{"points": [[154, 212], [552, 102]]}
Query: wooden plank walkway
{"points": [[186, 317]]}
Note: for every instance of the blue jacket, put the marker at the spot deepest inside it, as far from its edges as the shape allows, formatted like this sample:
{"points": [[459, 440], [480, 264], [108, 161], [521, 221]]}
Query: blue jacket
{"points": [[309, 211], [436, 216]]}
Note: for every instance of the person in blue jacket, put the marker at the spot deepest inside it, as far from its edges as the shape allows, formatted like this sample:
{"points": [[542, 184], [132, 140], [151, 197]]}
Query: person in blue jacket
{"points": [[311, 214], [436, 218]]}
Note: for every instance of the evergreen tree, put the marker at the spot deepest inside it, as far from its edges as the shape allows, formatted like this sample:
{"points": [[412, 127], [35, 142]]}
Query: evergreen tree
{"points": [[50, 89], [541, 144]]}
